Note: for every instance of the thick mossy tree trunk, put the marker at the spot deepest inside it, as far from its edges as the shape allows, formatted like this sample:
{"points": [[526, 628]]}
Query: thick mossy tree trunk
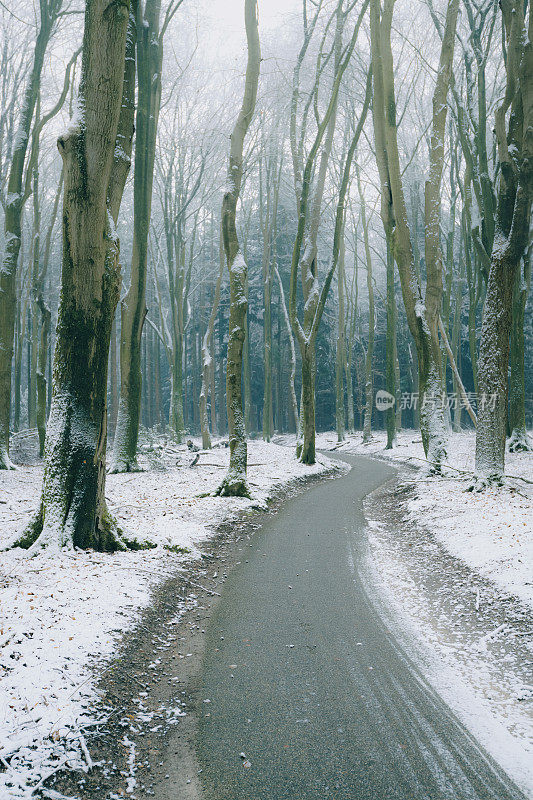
{"points": [[73, 510], [133, 306], [234, 484], [514, 136], [519, 439], [493, 369], [16, 196]]}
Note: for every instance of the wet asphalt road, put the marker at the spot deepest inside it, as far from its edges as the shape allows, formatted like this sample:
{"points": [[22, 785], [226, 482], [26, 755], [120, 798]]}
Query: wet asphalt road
{"points": [[303, 677]]}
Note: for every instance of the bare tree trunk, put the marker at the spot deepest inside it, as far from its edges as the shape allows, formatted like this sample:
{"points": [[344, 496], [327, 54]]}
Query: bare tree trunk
{"points": [[309, 269], [18, 363], [340, 360], [350, 340], [422, 317], [207, 358], [369, 385], [35, 269], [234, 484], [22, 308], [397, 378], [133, 306], [113, 382], [221, 383], [309, 217], [73, 510], [17, 194], [248, 424], [292, 374], [519, 439], [46, 319], [515, 152], [390, 371]]}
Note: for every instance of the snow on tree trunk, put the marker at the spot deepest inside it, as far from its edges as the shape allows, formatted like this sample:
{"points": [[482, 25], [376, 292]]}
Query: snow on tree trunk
{"points": [[514, 136], [73, 510], [234, 484], [492, 372], [422, 317]]}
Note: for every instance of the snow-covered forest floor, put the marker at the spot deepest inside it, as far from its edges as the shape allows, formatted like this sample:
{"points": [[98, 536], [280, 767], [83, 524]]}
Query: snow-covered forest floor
{"points": [[452, 573], [492, 531], [62, 614]]}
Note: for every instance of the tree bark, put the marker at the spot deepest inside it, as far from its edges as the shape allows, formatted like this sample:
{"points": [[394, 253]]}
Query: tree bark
{"points": [[369, 385], [422, 317], [234, 484], [133, 306], [15, 200], [340, 354], [519, 439], [304, 255], [46, 320], [390, 372], [73, 510], [513, 219], [292, 373], [207, 358]]}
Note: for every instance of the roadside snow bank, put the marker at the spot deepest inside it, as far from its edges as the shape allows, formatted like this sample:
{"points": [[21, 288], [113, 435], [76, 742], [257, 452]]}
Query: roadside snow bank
{"points": [[491, 531], [59, 616]]}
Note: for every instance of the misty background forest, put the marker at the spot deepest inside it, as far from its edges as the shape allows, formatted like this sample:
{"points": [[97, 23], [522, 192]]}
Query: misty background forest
{"points": [[382, 296], [266, 350], [187, 98]]}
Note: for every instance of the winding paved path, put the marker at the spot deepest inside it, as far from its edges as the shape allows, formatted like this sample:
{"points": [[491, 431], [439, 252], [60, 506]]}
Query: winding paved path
{"points": [[303, 677]]}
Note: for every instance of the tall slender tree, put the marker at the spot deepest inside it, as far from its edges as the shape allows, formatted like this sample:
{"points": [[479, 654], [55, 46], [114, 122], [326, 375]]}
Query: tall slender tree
{"points": [[234, 484], [305, 251], [18, 192], [150, 34], [422, 315]]}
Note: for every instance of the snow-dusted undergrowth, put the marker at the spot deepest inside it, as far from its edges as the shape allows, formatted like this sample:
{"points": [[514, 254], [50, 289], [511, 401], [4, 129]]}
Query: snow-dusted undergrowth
{"points": [[59, 615], [492, 531]]}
